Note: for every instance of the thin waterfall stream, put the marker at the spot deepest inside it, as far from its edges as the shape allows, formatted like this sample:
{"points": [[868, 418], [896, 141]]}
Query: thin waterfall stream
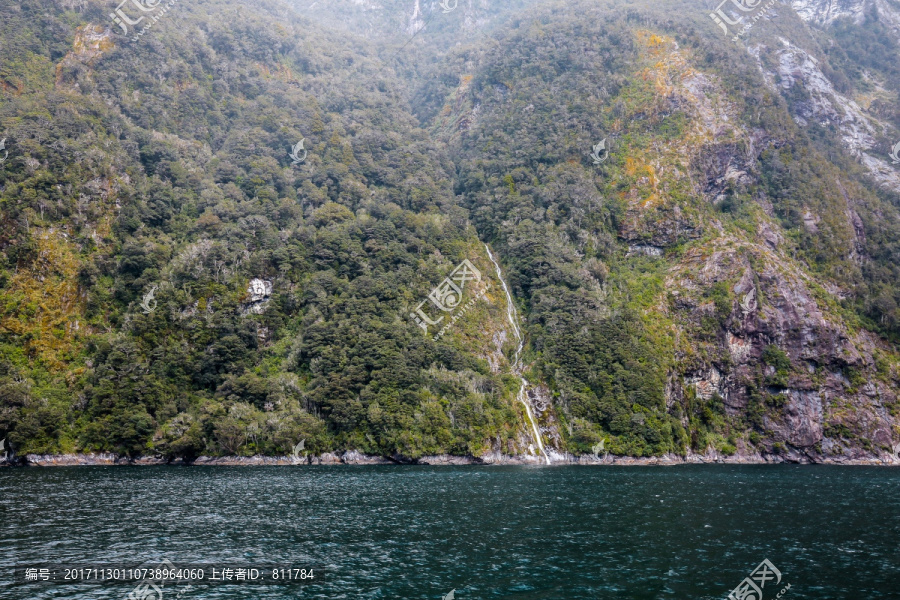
{"points": [[517, 367]]}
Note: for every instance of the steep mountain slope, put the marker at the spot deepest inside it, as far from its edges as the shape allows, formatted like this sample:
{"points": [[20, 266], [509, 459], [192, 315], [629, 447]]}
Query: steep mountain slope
{"points": [[174, 284], [713, 285], [181, 278]]}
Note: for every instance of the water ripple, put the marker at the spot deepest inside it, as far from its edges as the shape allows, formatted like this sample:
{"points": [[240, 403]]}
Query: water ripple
{"points": [[488, 532]]}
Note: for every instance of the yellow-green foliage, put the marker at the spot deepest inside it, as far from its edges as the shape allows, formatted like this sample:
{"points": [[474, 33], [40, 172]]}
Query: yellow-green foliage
{"points": [[42, 307]]}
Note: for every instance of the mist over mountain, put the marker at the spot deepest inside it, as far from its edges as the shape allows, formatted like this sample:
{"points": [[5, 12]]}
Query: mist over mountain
{"points": [[522, 230]]}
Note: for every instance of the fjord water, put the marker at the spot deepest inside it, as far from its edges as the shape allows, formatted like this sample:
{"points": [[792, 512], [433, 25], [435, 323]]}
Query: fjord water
{"points": [[563, 533]]}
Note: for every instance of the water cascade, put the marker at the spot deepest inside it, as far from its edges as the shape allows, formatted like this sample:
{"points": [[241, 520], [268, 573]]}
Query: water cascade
{"points": [[517, 367]]}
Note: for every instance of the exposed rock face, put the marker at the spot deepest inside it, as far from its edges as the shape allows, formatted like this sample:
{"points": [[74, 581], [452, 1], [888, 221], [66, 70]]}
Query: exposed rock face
{"points": [[351, 457], [835, 403], [802, 419], [91, 42], [817, 401], [556, 458], [446, 460], [76, 460], [259, 292], [654, 220], [826, 106], [824, 12], [797, 66]]}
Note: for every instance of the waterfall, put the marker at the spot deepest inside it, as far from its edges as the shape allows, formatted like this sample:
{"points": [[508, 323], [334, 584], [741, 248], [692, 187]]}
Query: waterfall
{"points": [[517, 367]]}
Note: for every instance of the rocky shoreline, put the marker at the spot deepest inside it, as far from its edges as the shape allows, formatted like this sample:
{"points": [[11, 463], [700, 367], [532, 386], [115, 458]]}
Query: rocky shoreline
{"points": [[353, 457]]}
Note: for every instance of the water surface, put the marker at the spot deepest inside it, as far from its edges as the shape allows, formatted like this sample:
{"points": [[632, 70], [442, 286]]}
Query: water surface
{"points": [[690, 532]]}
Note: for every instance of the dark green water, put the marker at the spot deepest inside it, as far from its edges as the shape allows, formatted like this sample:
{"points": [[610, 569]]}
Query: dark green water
{"points": [[488, 532]]}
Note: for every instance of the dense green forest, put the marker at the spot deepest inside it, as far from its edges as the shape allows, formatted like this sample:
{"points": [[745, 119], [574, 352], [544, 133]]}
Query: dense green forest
{"points": [[174, 282]]}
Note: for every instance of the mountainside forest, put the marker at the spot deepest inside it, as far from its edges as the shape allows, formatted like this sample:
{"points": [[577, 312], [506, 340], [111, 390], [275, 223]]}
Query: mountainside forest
{"points": [[253, 224]]}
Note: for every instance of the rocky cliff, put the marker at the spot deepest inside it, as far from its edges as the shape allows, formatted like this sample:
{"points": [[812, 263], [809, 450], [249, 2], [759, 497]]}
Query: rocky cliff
{"points": [[726, 187]]}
